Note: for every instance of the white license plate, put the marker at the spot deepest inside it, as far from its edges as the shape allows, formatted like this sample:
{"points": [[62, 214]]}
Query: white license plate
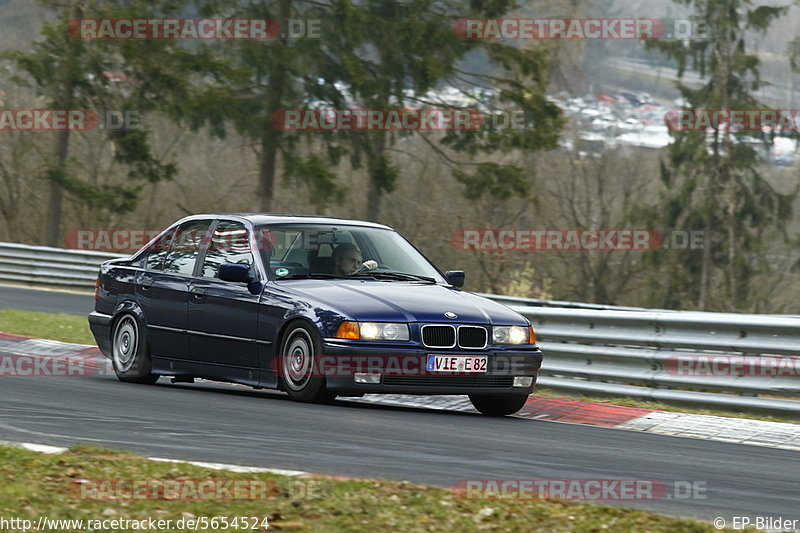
{"points": [[466, 364]]}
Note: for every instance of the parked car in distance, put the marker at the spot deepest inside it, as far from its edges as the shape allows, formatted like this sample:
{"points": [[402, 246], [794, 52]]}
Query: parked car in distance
{"points": [[314, 306]]}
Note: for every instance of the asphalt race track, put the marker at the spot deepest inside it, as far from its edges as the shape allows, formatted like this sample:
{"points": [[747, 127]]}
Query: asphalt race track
{"points": [[227, 424], [71, 303]]}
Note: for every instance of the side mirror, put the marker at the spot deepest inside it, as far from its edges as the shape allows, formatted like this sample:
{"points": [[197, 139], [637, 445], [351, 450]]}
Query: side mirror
{"points": [[235, 272], [455, 277]]}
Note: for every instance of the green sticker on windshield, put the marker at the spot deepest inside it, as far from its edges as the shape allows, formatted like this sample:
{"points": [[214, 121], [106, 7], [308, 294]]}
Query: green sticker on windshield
{"points": [[282, 271]]}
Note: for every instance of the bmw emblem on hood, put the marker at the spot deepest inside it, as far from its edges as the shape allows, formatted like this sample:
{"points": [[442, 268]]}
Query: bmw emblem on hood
{"points": [[450, 314]]}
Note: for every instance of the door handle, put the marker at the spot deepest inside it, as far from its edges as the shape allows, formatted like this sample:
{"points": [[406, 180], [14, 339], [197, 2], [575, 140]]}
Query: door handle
{"points": [[197, 292]]}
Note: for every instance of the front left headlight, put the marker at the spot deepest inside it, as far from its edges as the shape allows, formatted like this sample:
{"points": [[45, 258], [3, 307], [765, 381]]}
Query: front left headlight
{"points": [[513, 335], [383, 331]]}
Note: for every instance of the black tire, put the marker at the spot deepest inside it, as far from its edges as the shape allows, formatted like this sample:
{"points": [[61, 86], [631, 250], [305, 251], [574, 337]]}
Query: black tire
{"points": [[129, 353], [299, 372], [497, 404]]}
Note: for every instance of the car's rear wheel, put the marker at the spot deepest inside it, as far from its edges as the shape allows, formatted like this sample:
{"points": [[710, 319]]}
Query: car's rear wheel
{"points": [[498, 405], [129, 353], [300, 350]]}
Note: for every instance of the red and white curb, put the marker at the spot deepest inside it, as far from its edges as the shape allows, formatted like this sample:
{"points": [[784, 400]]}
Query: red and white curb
{"points": [[81, 359], [718, 428]]}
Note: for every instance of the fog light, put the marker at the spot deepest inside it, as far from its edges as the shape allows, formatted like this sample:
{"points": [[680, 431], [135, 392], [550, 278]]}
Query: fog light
{"points": [[371, 379], [523, 381]]}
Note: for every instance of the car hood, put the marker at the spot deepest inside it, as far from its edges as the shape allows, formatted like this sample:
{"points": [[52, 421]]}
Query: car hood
{"points": [[403, 302]]}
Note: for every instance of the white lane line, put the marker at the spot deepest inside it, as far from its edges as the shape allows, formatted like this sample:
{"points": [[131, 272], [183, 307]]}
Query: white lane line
{"points": [[100, 442], [233, 468], [42, 448]]}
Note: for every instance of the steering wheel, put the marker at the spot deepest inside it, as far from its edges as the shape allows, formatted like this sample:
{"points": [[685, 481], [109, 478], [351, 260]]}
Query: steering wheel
{"points": [[380, 266]]}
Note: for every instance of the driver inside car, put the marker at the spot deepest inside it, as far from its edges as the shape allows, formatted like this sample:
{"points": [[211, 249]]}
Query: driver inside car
{"points": [[347, 260]]}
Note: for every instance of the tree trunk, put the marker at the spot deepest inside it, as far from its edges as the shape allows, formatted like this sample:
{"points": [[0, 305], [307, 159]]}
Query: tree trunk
{"points": [[728, 186], [376, 166], [267, 169], [373, 201], [705, 268], [270, 136], [733, 289], [52, 229], [54, 205]]}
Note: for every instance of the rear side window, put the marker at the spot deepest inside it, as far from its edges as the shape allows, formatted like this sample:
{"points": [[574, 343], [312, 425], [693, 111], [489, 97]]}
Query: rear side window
{"points": [[189, 239], [230, 243], [158, 251]]}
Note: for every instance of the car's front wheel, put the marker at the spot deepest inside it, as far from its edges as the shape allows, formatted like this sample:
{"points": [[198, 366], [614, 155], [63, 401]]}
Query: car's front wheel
{"points": [[129, 353], [498, 405], [300, 372]]}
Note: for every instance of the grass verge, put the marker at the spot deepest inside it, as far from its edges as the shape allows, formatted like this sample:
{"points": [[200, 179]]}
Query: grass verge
{"points": [[37, 485], [56, 326]]}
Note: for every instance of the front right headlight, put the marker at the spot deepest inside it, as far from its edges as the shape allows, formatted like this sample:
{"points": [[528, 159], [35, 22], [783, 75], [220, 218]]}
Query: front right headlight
{"points": [[383, 331], [373, 331], [513, 335]]}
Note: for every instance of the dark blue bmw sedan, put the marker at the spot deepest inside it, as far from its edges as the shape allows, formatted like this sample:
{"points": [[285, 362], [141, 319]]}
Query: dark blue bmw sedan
{"points": [[314, 306]]}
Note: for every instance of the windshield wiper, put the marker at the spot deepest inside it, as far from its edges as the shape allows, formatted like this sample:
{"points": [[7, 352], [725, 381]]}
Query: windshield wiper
{"points": [[312, 276], [402, 276]]}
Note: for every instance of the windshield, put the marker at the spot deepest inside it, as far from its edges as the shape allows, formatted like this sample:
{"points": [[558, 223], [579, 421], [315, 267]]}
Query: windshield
{"points": [[341, 252]]}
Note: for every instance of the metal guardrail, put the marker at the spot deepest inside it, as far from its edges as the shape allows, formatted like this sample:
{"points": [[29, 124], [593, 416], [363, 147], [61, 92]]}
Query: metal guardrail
{"points": [[516, 300], [43, 265], [693, 358], [589, 349]]}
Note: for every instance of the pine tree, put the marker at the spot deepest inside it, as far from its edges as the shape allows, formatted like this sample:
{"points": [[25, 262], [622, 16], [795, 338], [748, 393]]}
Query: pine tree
{"points": [[713, 180]]}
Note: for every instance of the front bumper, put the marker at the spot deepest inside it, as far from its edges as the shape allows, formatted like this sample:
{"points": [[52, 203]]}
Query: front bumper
{"points": [[403, 370]]}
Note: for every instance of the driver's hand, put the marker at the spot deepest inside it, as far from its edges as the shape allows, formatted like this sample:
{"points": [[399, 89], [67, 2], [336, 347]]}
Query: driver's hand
{"points": [[370, 264]]}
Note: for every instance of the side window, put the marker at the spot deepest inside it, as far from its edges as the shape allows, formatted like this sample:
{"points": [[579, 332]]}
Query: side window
{"points": [[284, 240], [229, 244], [189, 239], [158, 251]]}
